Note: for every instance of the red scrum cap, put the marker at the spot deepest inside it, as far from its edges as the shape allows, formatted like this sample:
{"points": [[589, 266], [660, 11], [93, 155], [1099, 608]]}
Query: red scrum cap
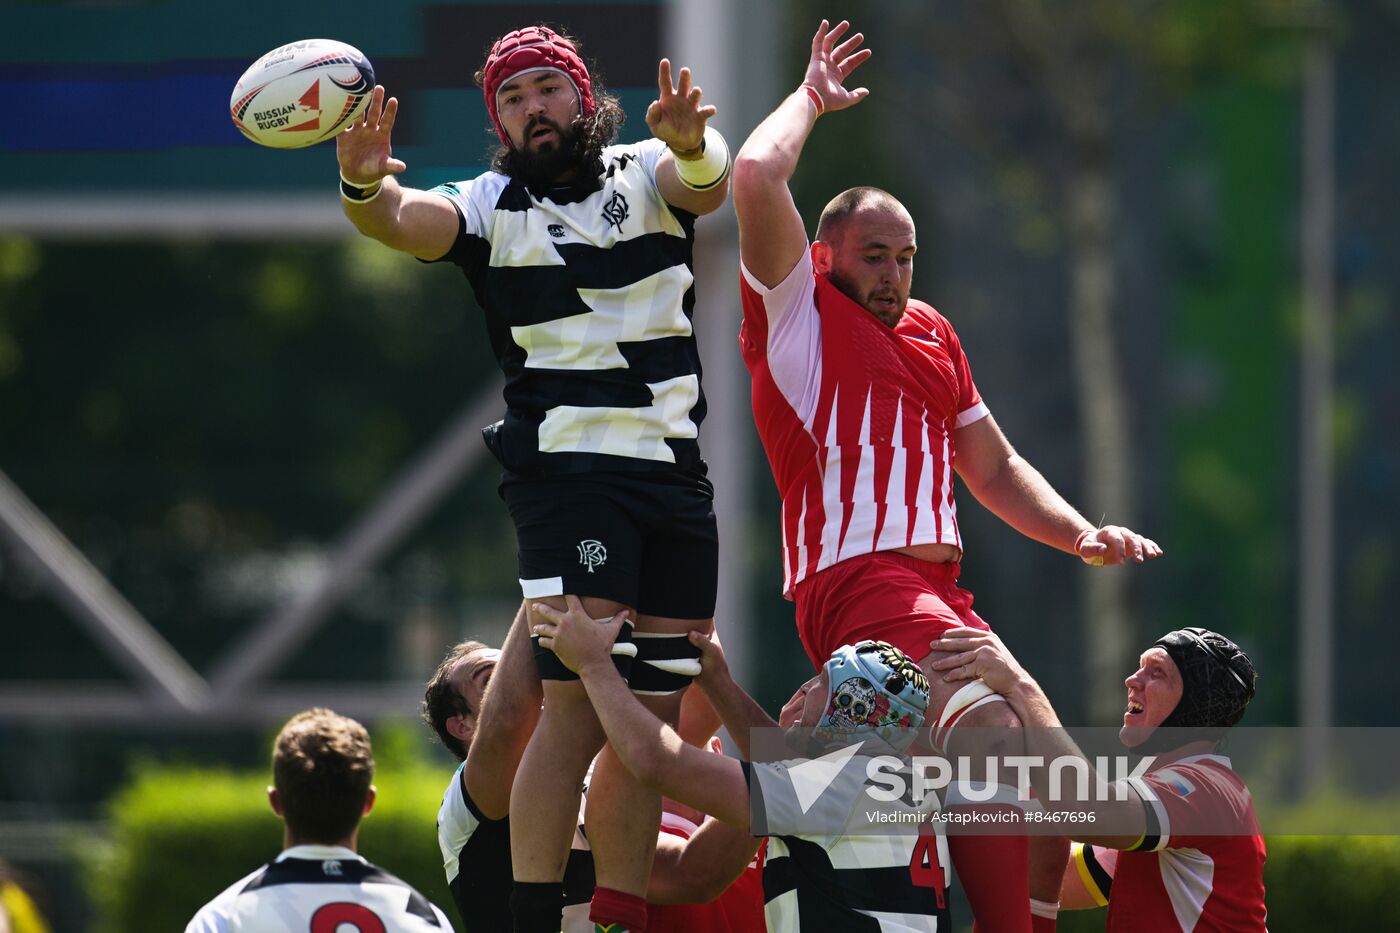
{"points": [[534, 48]]}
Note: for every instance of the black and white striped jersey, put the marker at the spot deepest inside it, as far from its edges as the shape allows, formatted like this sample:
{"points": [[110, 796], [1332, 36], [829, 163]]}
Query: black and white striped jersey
{"points": [[588, 297], [319, 889], [820, 878], [476, 857]]}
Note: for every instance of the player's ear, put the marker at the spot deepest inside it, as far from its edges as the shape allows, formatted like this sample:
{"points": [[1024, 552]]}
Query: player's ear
{"points": [[821, 257], [461, 728], [274, 800], [369, 800]]}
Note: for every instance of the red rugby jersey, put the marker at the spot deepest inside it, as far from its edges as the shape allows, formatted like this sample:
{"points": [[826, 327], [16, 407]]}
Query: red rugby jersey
{"points": [[1201, 867], [857, 419], [738, 910]]}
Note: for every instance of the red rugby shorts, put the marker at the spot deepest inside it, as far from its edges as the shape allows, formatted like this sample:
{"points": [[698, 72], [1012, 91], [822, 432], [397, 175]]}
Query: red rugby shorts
{"points": [[887, 596]]}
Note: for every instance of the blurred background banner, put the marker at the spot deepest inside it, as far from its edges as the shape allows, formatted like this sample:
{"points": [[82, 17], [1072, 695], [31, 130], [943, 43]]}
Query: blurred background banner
{"points": [[116, 133], [239, 464]]}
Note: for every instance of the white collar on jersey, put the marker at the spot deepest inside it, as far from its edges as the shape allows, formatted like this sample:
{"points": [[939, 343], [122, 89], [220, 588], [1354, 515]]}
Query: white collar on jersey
{"points": [[320, 852]]}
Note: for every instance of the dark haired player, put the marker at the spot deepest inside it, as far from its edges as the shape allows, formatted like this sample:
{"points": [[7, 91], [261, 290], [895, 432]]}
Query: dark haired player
{"points": [[483, 704], [1193, 859], [322, 774], [579, 252]]}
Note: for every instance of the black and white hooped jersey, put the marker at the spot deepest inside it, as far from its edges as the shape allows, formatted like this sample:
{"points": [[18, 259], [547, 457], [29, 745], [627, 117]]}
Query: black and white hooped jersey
{"points": [[829, 880], [319, 889], [588, 297], [476, 858]]}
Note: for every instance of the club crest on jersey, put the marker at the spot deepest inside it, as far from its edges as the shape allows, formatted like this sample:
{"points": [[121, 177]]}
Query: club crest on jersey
{"points": [[615, 211], [592, 554]]}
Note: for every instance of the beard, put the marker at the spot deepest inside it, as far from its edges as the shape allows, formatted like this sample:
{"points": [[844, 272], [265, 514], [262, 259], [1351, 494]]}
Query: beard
{"points": [[887, 316], [551, 163]]}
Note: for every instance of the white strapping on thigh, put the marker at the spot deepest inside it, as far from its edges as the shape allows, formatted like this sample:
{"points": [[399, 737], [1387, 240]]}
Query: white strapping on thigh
{"points": [[968, 698]]}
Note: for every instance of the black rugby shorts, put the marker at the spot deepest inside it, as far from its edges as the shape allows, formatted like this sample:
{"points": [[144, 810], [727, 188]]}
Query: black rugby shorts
{"points": [[646, 540]]}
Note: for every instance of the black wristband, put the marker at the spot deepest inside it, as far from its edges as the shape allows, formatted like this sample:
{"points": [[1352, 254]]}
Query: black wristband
{"points": [[360, 194]]}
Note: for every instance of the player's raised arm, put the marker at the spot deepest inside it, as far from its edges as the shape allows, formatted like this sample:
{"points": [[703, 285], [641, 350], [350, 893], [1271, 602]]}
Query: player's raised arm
{"points": [[965, 654], [771, 235], [402, 218], [738, 711], [510, 708], [647, 747], [694, 174], [699, 869]]}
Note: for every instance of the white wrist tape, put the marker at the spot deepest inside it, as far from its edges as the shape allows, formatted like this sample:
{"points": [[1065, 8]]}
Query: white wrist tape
{"points": [[711, 168]]}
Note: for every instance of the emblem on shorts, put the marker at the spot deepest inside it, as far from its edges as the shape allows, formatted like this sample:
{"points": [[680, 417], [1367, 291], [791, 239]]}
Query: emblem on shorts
{"points": [[555, 230], [615, 211], [592, 554]]}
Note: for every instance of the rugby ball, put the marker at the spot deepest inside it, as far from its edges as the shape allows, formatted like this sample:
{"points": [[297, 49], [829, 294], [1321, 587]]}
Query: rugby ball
{"points": [[301, 93]]}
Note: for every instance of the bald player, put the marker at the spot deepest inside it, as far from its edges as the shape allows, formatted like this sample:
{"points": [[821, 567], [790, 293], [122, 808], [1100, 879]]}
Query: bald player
{"points": [[865, 403]]}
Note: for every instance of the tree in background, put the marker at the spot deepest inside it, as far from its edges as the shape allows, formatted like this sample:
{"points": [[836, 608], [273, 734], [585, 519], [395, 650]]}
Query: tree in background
{"points": [[1048, 89]]}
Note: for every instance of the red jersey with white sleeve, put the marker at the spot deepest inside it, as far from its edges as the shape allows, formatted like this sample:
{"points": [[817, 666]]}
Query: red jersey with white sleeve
{"points": [[856, 419], [1200, 866]]}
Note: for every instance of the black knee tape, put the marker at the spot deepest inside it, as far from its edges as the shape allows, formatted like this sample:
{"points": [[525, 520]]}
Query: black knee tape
{"points": [[551, 668], [659, 656]]}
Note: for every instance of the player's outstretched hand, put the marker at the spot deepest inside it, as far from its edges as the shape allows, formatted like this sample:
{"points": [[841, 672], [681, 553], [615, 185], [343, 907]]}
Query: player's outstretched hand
{"points": [[831, 64], [676, 117], [363, 148], [971, 653], [1114, 544], [576, 638]]}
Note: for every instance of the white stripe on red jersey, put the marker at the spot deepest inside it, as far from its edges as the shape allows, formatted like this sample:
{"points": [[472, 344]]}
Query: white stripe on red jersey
{"points": [[856, 419]]}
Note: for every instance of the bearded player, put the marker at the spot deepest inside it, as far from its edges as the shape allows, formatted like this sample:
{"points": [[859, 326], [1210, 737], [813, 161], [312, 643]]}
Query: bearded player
{"points": [[866, 406], [580, 254]]}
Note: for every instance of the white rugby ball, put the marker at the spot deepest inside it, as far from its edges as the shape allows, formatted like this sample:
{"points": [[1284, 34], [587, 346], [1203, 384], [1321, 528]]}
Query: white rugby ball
{"points": [[301, 93]]}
